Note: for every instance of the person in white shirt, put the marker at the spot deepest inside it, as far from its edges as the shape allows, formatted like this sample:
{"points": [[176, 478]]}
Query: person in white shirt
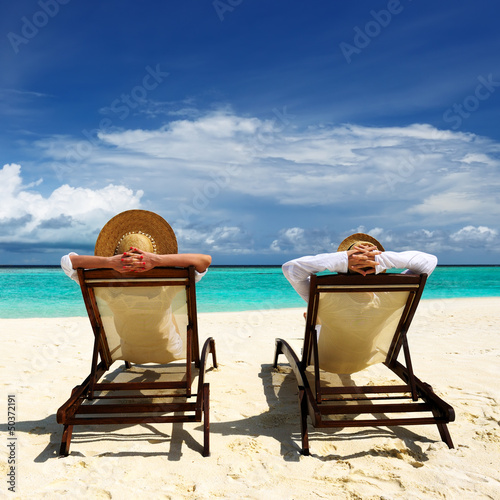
{"points": [[135, 241], [144, 318], [351, 330], [358, 253]]}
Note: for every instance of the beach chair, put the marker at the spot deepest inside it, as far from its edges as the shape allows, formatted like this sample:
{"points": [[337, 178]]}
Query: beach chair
{"points": [[354, 322], [149, 321]]}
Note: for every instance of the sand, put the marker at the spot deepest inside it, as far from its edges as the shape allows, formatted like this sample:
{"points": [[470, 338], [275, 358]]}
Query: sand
{"points": [[255, 441]]}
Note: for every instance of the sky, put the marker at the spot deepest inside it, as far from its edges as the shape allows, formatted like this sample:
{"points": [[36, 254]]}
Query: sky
{"points": [[260, 130]]}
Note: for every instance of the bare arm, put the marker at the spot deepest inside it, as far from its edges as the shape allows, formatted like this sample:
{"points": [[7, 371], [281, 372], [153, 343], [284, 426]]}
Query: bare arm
{"points": [[139, 260], [96, 262]]}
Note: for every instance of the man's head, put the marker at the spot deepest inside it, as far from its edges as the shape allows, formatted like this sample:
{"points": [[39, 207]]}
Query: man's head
{"points": [[361, 249], [358, 239], [140, 229]]}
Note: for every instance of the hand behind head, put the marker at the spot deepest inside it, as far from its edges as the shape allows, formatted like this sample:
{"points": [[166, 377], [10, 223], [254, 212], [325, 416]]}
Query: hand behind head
{"points": [[361, 259]]}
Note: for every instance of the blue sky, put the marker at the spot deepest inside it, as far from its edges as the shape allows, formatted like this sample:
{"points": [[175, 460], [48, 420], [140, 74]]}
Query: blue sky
{"points": [[260, 130]]}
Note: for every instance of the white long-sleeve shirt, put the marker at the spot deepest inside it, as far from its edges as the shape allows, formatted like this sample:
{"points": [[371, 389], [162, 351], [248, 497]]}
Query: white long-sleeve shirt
{"points": [[298, 271]]}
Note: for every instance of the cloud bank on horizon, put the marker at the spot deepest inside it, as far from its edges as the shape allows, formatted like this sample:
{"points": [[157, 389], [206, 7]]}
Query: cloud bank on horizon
{"points": [[411, 187]]}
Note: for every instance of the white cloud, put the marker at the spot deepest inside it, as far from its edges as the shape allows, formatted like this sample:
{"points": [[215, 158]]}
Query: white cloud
{"points": [[419, 165], [297, 240], [230, 173], [460, 205], [300, 241], [480, 236], [224, 239], [425, 167], [216, 138], [479, 158], [67, 214]]}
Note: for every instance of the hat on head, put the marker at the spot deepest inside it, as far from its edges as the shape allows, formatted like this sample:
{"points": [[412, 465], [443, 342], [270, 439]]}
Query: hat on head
{"points": [[357, 238], [136, 228]]}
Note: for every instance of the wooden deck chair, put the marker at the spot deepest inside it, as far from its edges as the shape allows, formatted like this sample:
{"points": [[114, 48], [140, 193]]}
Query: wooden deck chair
{"points": [[141, 319], [363, 320]]}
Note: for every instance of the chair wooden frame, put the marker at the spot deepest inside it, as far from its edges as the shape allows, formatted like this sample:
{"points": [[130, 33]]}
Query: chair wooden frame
{"points": [[320, 403], [80, 408]]}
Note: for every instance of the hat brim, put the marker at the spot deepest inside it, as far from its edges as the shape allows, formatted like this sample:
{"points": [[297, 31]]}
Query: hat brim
{"points": [[357, 237], [136, 221]]}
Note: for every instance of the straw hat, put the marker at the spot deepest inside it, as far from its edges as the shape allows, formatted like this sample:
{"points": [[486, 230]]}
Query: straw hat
{"points": [[358, 238], [136, 228]]}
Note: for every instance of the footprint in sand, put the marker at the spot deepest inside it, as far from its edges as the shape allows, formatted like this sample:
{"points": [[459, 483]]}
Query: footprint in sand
{"points": [[248, 446], [401, 453], [487, 436]]}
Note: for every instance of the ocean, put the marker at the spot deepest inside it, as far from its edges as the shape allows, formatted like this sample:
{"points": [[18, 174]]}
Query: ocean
{"points": [[46, 292]]}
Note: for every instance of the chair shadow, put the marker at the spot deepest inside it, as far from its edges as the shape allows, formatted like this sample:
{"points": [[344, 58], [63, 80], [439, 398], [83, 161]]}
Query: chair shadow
{"points": [[110, 432], [277, 422], [281, 422]]}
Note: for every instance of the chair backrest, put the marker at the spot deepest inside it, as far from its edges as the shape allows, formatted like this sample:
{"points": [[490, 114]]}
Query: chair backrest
{"points": [[355, 321], [147, 317]]}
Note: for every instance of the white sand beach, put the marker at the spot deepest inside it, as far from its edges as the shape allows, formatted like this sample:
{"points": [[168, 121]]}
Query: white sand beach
{"points": [[255, 454]]}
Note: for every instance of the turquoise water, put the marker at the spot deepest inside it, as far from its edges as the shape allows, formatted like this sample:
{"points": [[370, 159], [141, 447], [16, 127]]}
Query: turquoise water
{"points": [[44, 292]]}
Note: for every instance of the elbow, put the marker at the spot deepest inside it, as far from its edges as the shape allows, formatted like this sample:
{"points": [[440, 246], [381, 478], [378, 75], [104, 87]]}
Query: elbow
{"points": [[285, 268], [204, 264], [432, 265], [76, 261]]}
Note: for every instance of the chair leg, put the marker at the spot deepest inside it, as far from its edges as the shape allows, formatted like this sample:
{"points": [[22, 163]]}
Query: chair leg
{"points": [[445, 435], [214, 357], [303, 422], [277, 352], [66, 440], [206, 420]]}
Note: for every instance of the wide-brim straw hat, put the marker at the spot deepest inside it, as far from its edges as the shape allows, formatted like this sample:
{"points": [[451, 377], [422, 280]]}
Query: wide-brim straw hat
{"points": [[128, 224], [357, 238]]}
